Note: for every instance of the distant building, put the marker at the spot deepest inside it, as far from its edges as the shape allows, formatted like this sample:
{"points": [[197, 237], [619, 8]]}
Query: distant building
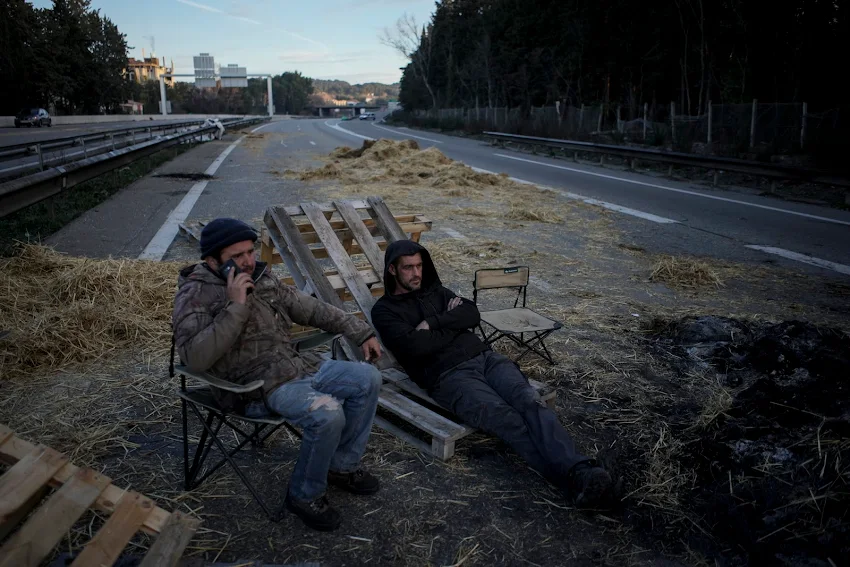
{"points": [[149, 69], [133, 107]]}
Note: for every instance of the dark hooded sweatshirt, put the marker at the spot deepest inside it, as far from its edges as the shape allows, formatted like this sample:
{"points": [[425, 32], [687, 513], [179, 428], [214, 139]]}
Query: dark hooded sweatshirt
{"points": [[425, 354]]}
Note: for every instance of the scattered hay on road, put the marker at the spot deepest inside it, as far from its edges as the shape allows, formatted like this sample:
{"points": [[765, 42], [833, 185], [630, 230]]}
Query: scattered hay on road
{"points": [[685, 273], [64, 310]]}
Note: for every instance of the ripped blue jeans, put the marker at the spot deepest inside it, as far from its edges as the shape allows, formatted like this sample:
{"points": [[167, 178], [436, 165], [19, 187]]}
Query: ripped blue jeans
{"points": [[334, 409]]}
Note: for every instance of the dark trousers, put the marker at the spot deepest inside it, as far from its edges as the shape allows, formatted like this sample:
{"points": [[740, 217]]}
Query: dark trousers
{"points": [[490, 393]]}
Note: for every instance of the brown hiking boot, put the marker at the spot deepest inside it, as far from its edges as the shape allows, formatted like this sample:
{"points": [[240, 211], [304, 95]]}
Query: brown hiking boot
{"points": [[357, 482], [589, 485], [318, 514]]}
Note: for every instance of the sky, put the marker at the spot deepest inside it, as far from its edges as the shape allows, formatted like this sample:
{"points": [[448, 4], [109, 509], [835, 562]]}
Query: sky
{"points": [[323, 39]]}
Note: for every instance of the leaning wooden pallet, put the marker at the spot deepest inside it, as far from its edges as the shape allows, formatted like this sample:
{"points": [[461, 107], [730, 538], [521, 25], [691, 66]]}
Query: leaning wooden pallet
{"points": [[34, 470], [300, 235]]}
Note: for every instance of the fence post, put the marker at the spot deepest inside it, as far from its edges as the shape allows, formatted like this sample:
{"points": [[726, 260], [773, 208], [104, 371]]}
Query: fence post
{"points": [[709, 123], [645, 105], [803, 126], [580, 117], [619, 124], [599, 122], [40, 156], [753, 123], [673, 122]]}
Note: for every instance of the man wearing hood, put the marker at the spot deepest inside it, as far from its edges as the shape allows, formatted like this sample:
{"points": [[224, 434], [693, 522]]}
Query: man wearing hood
{"points": [[235, 324], [429, 329]]}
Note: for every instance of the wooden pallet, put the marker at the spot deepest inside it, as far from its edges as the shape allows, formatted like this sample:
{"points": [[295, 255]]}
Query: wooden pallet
{"points": [[35, 469], [301, 235], [192, 229]]}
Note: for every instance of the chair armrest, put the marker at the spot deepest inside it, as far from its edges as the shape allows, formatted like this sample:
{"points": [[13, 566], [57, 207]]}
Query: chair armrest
{"points": [[314, 341], [210, 380]]}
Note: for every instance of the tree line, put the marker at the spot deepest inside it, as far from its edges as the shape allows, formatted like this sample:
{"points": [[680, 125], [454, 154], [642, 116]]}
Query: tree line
{"points": [[71, 58], [290, 92], [523, 53], [344, 89], [68, 54]]}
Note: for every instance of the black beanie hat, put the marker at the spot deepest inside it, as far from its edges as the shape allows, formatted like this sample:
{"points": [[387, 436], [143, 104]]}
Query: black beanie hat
{"points": [[221, 233]]}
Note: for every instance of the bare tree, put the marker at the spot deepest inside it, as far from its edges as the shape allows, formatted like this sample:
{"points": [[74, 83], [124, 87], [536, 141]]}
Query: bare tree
{"points": [[415, 45]]}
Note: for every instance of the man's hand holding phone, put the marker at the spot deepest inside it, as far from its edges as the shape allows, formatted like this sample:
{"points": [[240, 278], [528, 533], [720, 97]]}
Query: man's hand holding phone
{"points": [[239, 285]]}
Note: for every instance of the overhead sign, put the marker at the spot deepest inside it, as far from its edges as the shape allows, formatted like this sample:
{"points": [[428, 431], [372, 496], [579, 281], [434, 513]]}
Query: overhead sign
{"points": [[204, 71], [234, 76]]}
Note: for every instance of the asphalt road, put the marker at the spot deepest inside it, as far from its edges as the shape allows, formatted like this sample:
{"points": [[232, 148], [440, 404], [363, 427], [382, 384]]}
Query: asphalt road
{"points": [[659, 214], [10, 136], [681, 217]]}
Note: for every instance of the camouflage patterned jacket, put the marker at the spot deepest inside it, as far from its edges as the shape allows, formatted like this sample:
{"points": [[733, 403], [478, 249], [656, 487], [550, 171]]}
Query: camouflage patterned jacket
{"points": [[243, 343]]}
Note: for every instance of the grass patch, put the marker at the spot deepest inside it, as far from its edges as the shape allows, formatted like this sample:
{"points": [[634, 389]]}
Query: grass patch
{"points": [[40, 220]]}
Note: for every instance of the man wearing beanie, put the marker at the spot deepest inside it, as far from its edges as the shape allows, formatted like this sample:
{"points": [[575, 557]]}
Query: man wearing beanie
{"points": [[236, 326]]}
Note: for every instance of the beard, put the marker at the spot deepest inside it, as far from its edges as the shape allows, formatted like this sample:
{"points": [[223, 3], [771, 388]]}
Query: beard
{"points": [[409, 286]]}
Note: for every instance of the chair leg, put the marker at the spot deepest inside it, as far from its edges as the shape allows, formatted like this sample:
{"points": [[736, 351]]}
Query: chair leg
{"points": [[272, 516], [203, 448], [531, 346], [186, 482]]}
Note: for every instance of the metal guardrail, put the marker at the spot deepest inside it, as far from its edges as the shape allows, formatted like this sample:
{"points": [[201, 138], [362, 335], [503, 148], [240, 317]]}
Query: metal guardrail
{"points": [[25, 191], [718, 164], [33, 148]]}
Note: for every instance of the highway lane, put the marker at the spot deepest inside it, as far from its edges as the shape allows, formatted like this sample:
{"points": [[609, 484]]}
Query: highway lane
{"points": [[10, 136], [741, 218], [661, 215]]}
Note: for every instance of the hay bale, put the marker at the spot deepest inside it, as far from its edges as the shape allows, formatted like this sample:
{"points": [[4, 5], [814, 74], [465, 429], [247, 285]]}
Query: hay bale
{"points": [[685, 273], [63, 310]]}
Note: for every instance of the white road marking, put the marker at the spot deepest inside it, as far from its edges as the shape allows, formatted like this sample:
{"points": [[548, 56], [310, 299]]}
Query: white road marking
{"points": [[258, 128], [589, 201], [344, 131], [159, 244], [222, 156], [453, 233], [683, 191], [619, 209], [834, 266], [540, 284], [284, 145], [408, 135], [312, 143]]}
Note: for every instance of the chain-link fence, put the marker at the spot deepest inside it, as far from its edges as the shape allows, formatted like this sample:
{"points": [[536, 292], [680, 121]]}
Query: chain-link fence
{"points": [[726, 128]]}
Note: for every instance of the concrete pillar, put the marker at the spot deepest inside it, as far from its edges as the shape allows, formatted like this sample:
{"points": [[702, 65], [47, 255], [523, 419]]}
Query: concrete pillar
{"points": [[269, 89]]}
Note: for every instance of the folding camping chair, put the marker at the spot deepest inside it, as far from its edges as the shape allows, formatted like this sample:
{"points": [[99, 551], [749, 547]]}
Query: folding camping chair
{"points": [[516, 322], [253, 430]]}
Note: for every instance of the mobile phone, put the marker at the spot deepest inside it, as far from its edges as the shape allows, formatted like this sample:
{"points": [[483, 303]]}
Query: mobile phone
{"points": [[224, 271]]}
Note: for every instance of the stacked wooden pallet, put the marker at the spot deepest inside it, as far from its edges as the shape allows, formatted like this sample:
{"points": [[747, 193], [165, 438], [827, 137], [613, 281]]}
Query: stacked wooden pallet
{"points": [[34, 470], [301, 235]]}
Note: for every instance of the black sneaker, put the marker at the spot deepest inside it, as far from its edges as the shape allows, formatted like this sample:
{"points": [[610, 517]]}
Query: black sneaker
{"points": [[318, 514], [357, 482], [589, 485]]}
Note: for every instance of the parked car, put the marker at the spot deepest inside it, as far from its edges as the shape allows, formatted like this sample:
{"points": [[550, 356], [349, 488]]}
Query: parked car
{"points": [[367, 116], [33, 117]]}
